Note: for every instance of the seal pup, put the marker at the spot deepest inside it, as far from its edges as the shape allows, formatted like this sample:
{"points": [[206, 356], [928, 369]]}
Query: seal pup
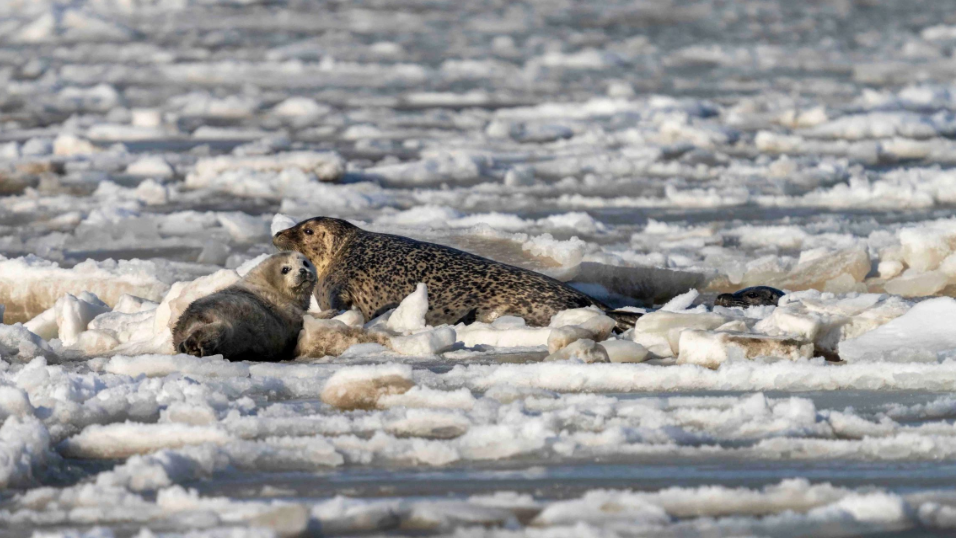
{"points": [[375, 272], [257, 319], [750, 297]]}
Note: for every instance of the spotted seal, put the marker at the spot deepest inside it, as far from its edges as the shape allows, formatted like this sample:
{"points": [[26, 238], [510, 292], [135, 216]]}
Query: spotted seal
{"points": [[750, 297], [257, 319], [374, 272]]}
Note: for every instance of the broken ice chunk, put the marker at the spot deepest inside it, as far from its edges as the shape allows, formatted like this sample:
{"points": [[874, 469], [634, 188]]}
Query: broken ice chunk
{"points": [[586, 350], [564, 336], [789, 321], [360, 387], [425, 343], [624, 351], [96, 341], [919, 335], [917, 284], [409, 316], [74, 314], [711, 349], [352, 318], [17, 343], [660, 331], [816, 272], [590, 319], [924, 247]]}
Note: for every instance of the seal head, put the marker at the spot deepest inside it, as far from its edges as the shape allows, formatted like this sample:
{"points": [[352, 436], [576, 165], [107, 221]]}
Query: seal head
{"points": [[320, 239], [750, 297], [283, 278]]}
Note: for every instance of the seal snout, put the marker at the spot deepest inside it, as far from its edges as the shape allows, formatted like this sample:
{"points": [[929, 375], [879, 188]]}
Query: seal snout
{"points": [[306, 276], [282, 240]]}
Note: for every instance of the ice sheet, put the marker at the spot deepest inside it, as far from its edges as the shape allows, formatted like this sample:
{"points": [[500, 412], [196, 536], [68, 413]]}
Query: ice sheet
{"points": [[652, 154]]}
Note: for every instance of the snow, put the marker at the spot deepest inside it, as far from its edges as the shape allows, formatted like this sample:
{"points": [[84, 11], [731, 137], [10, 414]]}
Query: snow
{"points": [[155, 167], [122, 440], [281, 222], [429, 342], [296, 107], [681, 302], [585, 350], [30, 283], [74, 314], [409, 316], [18, 343], [266, 175], [181, 294], [713, 349], [660, 331]]}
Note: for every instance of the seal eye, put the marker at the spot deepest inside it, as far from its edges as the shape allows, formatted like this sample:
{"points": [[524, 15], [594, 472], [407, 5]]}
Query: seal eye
{"points": [[308, 232], [286, 269], [304, 263]]}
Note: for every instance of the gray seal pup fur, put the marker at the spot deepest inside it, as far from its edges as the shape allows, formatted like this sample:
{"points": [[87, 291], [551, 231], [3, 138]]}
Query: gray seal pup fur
{"points": [[320, 338], [257, 319], [375, 272]]}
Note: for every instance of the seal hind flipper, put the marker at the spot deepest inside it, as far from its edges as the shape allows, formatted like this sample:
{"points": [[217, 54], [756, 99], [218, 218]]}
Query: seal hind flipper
{"points": [[204, 341], [470, 317], [625, 319]]}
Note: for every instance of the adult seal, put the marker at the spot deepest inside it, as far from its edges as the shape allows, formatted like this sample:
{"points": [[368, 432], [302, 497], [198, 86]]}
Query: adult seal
{"points": [[374, 272], [257, 319]]}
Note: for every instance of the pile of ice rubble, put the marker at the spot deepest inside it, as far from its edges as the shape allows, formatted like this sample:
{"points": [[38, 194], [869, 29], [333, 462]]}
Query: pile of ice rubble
{"points": [[111, 317], [169, 420], [791, 506]]}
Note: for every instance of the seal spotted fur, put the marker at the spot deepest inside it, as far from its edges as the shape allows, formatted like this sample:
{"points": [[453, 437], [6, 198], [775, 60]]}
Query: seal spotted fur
{"points": [[257, 319], [374, 272]]}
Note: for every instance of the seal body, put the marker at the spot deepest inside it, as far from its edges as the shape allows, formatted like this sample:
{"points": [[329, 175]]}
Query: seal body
{"points": [[257, 319], [750, 297], [374, 272]]}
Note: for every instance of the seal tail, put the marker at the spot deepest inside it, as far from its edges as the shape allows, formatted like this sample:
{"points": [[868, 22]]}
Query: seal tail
{"points": [[625, 319]]}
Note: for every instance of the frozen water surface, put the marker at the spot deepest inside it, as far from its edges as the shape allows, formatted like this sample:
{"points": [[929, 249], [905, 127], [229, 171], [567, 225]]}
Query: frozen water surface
{"points": [[635, 149]]}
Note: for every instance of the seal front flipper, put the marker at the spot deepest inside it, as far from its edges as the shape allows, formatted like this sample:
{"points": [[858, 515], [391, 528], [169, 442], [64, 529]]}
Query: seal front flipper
{"points": [[204, 341], [469, 318], [625, 319], [340, 299]]}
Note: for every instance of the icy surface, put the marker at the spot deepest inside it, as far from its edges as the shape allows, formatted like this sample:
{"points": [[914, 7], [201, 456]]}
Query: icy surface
{"points": [[653, 154]]}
